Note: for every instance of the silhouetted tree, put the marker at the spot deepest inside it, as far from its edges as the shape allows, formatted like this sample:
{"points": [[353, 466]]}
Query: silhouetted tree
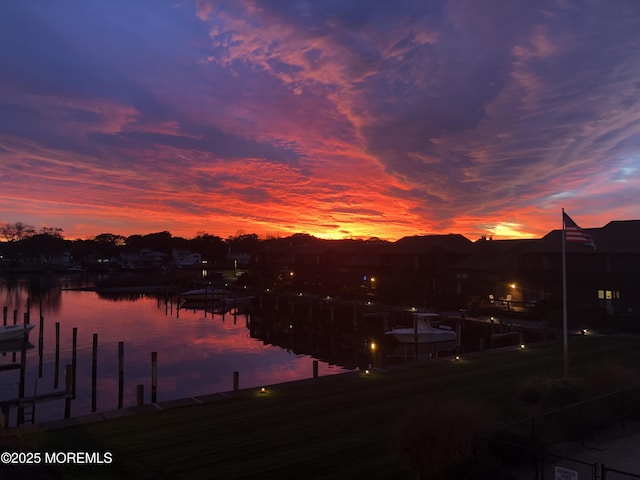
{"points": [[43, 245], [111, 239], [52, 231], [244, 243], [211, 247], [16, 231]]}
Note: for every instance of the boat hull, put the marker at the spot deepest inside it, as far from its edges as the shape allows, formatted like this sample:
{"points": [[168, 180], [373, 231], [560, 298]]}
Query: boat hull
{"points": [[203, 295], [14, 332]]}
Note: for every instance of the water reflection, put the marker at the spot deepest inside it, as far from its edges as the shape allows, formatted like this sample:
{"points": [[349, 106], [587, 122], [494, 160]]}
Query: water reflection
{"points": [[197, 351]]}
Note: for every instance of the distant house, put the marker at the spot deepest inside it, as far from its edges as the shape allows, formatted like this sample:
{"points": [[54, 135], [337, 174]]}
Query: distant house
{"points": [[185, 258], [146, 259], [239, 259]]}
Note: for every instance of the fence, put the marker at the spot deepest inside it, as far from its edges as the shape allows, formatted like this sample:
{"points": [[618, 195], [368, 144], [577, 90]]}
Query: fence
{"points": [[529, 447]]}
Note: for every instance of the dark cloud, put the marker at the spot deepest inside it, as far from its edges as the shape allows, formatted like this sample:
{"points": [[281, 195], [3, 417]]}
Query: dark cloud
{"points": [[353, 115]]}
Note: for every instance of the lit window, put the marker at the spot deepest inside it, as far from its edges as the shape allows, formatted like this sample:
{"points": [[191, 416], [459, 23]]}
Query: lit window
{"points": [[601, 294]]}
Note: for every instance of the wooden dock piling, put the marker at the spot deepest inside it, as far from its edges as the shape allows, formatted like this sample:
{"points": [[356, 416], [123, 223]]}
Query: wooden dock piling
{"points": [[120, 373], [94, 373], [40, 346], [56, 372], [23, 367], [140, 395], [236, 381], [154, 377], [74, 360], [68, 386]]}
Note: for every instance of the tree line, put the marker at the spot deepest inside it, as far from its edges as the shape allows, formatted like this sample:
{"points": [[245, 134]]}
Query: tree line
{"points": [[21, 239]]}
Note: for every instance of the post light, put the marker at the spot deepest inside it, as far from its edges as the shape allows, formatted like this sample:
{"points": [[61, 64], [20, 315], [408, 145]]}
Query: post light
{"points": [[373, 346], [513, 285], [522, 346], [457, 358], [367, 372]]}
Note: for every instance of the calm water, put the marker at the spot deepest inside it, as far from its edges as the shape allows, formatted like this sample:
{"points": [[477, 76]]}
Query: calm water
{"points": [[197, 352]]}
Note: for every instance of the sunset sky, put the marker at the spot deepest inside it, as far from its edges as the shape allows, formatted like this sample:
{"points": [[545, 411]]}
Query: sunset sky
{"points": [[337, 118]]}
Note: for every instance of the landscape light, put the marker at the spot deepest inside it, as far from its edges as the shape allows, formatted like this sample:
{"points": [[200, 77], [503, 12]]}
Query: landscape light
{"points": [[457, 358], [372, 346], [263, 390], [522, 345], [367, 372]]}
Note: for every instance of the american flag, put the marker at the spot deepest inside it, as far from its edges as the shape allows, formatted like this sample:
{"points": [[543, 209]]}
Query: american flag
{"points": [[573, 233]]}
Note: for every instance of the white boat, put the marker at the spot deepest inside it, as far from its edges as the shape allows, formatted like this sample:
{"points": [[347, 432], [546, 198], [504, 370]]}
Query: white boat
{"points": [[14, 332], [423, 332], [209, 293]]}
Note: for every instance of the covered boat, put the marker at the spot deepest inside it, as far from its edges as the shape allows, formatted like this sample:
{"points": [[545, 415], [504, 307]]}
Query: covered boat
{"points": [[424, 332]]}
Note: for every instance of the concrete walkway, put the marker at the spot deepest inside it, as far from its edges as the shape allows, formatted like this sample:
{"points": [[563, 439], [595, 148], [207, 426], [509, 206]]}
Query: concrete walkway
{"points": [[617, 448]]}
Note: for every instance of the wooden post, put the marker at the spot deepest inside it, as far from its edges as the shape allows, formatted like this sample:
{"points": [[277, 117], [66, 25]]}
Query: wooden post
{"points": [[315, 369], [154, 377], [23, 367], [15, 316], [68, 386], [140, 395], [74, 360], [416, 350], [56, 373], [4, 416], [120, 373], [94, 373], [40, 346], [5, 311], [236, 381]]}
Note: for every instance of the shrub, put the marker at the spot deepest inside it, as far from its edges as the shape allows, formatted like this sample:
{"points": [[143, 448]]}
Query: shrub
{"points": [[436, 440]]}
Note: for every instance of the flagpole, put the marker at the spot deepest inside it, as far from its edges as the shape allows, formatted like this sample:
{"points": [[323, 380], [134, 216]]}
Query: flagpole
{"points": [[565, 337]]}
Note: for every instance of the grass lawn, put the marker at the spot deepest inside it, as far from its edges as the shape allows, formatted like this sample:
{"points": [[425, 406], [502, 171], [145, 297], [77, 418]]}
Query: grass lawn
{"points": [[332, 427]]}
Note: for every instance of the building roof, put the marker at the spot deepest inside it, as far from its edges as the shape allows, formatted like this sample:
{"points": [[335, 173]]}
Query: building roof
{"points": [[619, 236], [453, 243]]}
